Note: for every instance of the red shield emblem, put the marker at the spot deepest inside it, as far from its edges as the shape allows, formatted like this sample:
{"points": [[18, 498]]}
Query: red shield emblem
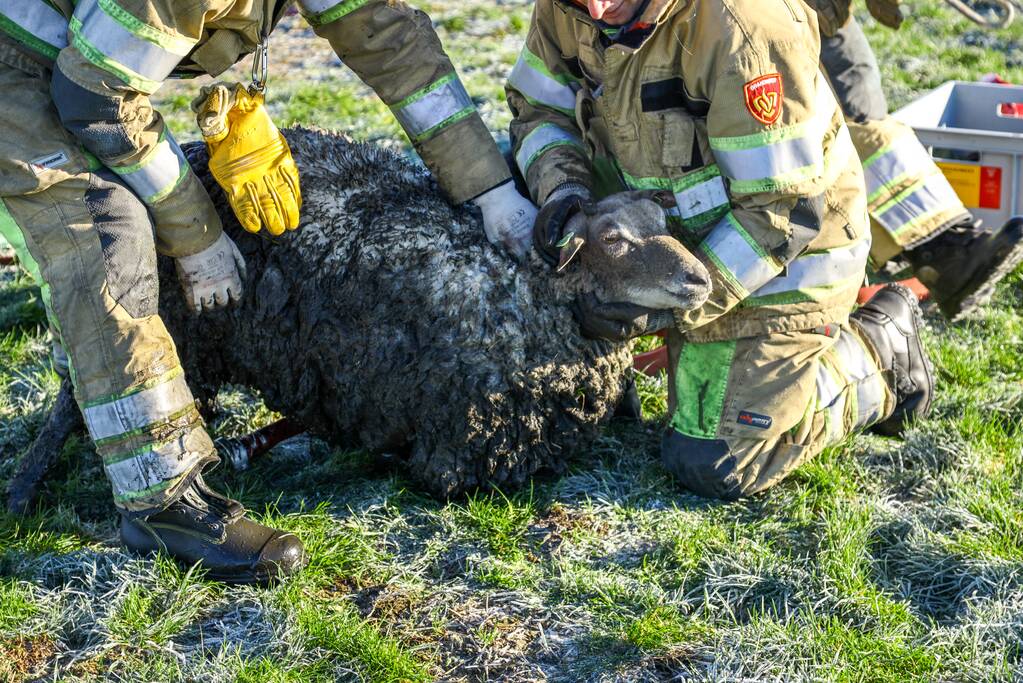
{"points": [[764, 98]]}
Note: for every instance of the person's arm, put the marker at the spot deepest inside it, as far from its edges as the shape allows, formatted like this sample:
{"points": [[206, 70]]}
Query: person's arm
{"points": [[541, 89], [394, 49], [771, 123], [119, 54]]}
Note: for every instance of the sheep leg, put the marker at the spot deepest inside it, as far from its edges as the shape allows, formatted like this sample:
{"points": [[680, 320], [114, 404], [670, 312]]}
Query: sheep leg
{"points": [[64, 419], [242, 450]]}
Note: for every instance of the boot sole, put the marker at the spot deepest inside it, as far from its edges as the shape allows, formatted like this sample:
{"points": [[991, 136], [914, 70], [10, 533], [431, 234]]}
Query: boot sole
{"points": [[980, 289], [896, 424], [252, 578]]}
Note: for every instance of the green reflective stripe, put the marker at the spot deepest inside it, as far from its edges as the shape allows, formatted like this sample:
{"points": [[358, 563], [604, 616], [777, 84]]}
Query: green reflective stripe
{"points": [[93, 163], [158, 174], [531, 77], [738, 256], [12, 233], [27, 39], [423, 92], [165, 377], [140, 411], [110, 444], [917, 204], [319, 13], [97, 58], [16, 238], [762, 139], [776, 183], [156, 488], [542, 139], [426, 112], [446, 123], [177, 44], [700, 196], [801, 296], [894, 182], [701, 381]]}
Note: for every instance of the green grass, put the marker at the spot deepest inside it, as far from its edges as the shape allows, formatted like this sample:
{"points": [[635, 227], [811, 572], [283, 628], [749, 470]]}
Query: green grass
{"points": [[879, 560]]}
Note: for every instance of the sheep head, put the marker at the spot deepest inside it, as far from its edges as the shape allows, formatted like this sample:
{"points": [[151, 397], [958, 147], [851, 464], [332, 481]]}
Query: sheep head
{"points": [[624, 244]]}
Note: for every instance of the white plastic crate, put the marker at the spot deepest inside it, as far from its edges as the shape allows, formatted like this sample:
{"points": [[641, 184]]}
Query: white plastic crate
{"points": [[975, 134]]}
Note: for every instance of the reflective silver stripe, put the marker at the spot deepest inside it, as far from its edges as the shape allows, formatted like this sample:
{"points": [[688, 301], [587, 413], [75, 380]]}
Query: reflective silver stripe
{"points": [[538, 141], [778, 152], [145, 51], [439, 102], [928, 198], [39, 20], [907, 155], [734, 251], [137, 411], [158, 174], [821, 269], [318, 6], [538, 86], [771, 160], [859, 368], [151, 468], [701, 198], [831, 397]]}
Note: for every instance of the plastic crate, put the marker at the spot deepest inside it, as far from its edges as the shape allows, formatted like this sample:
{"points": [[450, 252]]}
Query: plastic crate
{"points": [[975, 134]]}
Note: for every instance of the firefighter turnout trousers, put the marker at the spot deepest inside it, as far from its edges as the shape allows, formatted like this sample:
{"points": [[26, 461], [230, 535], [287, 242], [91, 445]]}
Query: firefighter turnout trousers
{"points": [[909, 199], [747, 412], [89, 241]]}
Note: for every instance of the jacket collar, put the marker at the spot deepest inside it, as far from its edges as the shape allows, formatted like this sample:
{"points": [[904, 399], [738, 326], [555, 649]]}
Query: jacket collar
{"points": [[633, 34]]}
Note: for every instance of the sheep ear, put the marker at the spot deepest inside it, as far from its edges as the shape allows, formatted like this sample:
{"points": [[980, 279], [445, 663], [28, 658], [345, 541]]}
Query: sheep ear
{"points": [[570, 246]]}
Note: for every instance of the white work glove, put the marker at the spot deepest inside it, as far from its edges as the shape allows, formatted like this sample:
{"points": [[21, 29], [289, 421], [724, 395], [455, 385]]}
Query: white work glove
{"points": [[213, 277], [508, 218]]}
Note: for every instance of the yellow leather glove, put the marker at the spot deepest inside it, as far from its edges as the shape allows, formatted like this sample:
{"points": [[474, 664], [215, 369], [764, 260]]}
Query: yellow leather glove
{"points": [[249, 158]]}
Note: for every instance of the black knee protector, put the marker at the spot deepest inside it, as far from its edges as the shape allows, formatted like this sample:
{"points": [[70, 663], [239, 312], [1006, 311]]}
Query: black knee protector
{"points": [[127, 236], [704, 466]]}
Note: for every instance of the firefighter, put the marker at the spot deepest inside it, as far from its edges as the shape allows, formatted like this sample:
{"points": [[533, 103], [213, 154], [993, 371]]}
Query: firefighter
{"points": [[94, 185], [916, 215], [724, 105]]}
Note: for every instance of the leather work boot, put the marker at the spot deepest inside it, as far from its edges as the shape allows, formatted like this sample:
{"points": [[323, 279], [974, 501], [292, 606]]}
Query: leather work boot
{"points": [[205, 527], [962, 265], [891, 322]]}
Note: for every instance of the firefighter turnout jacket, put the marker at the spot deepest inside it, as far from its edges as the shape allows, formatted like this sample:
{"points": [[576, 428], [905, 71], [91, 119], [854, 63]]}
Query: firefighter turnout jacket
{"points": [[723, 103], [109, 56]]}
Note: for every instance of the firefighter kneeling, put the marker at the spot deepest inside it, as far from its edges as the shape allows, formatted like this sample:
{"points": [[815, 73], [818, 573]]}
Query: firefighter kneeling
{"points": [[725, 105]]}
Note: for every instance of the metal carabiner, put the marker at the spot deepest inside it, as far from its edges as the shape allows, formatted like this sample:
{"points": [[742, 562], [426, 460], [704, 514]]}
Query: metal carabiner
{"points": [[260, 66]]}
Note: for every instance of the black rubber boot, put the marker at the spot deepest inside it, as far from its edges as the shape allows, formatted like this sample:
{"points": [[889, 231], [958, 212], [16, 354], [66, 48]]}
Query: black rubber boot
{"points": [[205, 527], [891, 322], [962, 265]]}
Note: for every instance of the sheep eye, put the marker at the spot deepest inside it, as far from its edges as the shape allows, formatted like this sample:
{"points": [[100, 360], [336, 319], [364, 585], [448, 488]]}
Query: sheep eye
{"points": [[612, 238]]}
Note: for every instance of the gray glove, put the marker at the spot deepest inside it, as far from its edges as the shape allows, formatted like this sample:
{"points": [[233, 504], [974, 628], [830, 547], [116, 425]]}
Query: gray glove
{"points": [[213, 277], [618, 322]]}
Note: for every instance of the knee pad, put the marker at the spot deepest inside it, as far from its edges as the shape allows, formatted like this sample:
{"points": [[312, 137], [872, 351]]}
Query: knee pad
{"points": [[126, 234], [704, 466]]}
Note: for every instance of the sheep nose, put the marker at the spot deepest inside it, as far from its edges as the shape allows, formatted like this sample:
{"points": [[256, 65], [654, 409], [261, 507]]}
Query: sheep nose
{"points": [[696, 279]]}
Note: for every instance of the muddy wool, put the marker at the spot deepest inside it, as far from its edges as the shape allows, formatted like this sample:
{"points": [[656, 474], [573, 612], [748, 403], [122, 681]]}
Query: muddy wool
{"points": [[387, 322]]}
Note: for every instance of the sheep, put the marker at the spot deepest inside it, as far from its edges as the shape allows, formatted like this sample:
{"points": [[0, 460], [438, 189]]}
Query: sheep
{"points": [[387, 322]]}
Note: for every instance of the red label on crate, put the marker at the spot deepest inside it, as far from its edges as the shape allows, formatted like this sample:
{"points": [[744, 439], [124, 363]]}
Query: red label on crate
{"points": [[990, 187]]}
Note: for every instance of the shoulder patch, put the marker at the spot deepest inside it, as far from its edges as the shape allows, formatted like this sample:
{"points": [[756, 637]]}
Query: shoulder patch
{"points": [[764, 98]]}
